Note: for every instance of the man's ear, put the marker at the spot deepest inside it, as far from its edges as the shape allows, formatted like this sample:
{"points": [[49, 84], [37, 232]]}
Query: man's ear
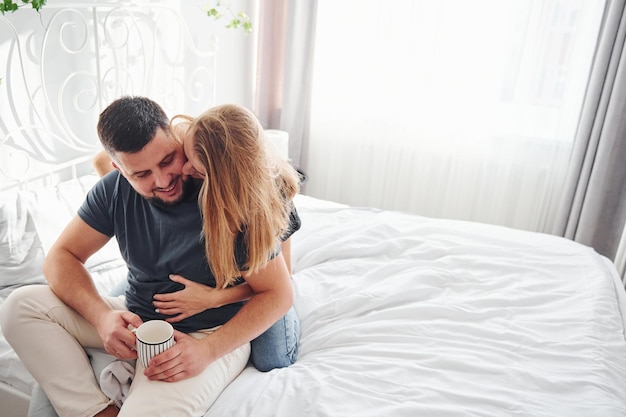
{"points": [[114, 165]]}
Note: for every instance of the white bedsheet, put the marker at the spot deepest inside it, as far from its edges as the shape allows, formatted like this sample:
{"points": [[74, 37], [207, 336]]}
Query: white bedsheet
{"points": [[409, 316]]}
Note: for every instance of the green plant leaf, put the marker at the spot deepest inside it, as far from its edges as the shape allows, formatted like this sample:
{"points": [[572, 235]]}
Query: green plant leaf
{"points": [[38, 4], [7, 6], [10, 6], [237, 20]]}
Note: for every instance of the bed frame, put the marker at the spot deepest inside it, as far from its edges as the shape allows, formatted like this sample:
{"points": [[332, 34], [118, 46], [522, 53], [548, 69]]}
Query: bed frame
{"points": [[61, 67], [65, 64]]}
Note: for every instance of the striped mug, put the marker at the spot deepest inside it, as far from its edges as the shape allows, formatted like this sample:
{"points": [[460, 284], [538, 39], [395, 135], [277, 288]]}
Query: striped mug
{"points": [[153, 337]]}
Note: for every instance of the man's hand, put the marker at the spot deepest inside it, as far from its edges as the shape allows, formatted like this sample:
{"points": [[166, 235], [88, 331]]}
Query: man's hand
{"points": [[116, 337], [187, 358]]}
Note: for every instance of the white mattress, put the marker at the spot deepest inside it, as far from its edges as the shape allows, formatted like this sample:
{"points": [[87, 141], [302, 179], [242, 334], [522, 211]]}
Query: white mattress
{"points": [[404, 316], [408, 316]]}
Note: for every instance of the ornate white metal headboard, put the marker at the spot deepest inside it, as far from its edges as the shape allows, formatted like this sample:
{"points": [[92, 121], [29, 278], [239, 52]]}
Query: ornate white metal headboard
{"points": [[61, 67]]}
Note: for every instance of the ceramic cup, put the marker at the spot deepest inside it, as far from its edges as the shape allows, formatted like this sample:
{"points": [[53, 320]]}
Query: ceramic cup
{"points": [[153, 337]]}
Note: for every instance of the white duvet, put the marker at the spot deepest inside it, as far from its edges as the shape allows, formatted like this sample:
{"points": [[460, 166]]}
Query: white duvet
{"points": [[408, 316]]}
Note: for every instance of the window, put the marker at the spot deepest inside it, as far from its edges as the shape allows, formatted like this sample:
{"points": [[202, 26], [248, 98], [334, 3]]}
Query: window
{"points": [[451, 108]]}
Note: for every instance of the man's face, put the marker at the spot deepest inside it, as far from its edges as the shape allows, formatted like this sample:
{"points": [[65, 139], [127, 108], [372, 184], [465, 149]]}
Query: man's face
{"points": [[155, 172]]}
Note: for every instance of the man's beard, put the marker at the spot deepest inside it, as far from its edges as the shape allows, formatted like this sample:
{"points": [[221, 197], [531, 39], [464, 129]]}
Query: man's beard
{"points": [[189, 190]]}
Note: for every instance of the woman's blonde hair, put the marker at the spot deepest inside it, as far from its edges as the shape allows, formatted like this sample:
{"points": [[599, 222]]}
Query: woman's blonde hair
{"points": [[247, 188]]}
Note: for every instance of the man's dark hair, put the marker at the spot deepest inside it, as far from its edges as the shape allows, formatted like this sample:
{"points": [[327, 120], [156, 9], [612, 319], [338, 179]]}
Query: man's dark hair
{"points": [[129, 123]]}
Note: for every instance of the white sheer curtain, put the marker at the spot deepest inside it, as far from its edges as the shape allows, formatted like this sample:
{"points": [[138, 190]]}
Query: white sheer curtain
{"points": [[449, 108]]}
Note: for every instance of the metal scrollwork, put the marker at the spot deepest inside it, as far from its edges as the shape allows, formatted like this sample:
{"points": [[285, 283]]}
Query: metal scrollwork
{"points": [[64, 65]]}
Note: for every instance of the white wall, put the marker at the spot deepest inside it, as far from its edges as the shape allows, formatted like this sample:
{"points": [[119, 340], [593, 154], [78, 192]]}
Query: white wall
{"points": [[235, 66]]}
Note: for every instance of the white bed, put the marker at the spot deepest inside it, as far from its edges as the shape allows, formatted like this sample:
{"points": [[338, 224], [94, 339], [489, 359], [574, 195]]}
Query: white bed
{"points": [[401, 315], [409, 316], [404, 315]]}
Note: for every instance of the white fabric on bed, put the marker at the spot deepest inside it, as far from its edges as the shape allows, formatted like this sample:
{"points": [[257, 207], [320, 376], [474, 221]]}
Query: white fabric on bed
{"points": [[405, 316], [52, 208], [21, 251], [12, 371]]}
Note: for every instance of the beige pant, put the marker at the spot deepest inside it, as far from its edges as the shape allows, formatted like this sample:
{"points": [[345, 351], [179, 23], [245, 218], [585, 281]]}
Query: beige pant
{"points": [[49, 338]]}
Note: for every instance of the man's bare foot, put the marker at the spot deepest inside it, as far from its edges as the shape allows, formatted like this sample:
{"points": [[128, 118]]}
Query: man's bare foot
{"points": [[110, 411]]}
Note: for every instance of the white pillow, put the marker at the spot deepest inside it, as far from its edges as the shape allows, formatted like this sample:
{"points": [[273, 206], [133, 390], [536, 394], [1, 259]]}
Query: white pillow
{"points": [[21, 251], [31, 221], [53, 207]]}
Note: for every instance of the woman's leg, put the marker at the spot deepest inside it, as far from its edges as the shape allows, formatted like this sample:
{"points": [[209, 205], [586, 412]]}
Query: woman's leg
{"points": [[49, 337], [277, 347]]}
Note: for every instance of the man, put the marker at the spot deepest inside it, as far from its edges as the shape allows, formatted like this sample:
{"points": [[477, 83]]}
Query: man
{"points": [[153, 212]]}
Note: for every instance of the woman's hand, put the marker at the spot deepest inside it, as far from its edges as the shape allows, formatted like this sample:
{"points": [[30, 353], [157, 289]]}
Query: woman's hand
{"points": [[192, 299]]}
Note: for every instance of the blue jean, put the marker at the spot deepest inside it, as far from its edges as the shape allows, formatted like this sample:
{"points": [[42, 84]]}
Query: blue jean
{"points": [[277, 347]]}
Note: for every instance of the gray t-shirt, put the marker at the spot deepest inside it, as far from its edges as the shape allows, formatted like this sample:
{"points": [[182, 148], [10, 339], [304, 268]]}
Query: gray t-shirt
{"points": [[156, 241]]}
